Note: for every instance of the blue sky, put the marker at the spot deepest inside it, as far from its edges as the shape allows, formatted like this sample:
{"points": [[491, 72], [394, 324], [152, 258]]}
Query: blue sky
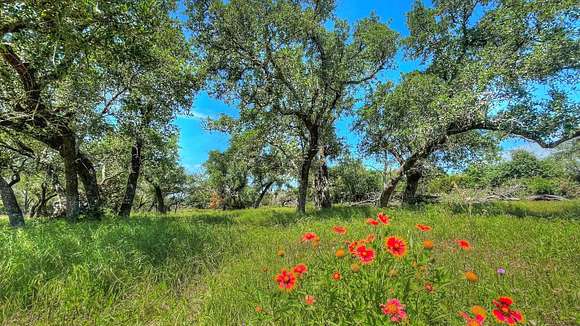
{"points": [[195, 142]]}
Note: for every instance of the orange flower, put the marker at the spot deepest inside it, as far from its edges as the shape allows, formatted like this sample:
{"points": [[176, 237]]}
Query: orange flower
{"points": [[316, 241], [463, 244], [370, 238], [479, 310], [309, 299], [259, 309], [423, 227], [366, 255], [339, 229], [352, 247], [286, 280], [340, 253], [308, 236], [355, 267], [428, 287], [383, 218], [372, 222], [428, 244], [471, 277], [336, 276], [396, 246], [300, 269]]}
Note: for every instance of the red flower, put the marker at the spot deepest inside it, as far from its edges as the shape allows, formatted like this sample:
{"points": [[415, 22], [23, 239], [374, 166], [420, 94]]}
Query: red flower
{"points": [[300, 269], [383, 218], [366, 255], [463, 244], [352, 247], [396, 246], [286, 280], [477, 321], [308, 236], [504, 313], [309, 299], [372, 222], [395, 310], [339, 229], [423, 227], [336, 276]]}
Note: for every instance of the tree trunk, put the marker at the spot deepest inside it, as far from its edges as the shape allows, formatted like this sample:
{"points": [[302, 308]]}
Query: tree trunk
{"points": [[15, 216], [88, 176], [160, 199], [132, 179], [413, 177], [390, 189], [321, 184], [262, 194], [69, 155], [305, 170]]}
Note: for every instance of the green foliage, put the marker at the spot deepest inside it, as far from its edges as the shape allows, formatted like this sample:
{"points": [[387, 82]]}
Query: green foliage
{"points": [[353, 182]]}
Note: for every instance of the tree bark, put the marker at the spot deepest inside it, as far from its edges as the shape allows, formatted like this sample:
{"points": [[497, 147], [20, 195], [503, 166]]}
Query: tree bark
{"points": [[322, 195], [160, 199], [305, 170], [413, 177], [69, 155], [132, 179], [15, 216], [88, 177], [263, 193]]}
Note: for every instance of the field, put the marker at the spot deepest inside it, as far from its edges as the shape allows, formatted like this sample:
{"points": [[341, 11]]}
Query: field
{"points": [[217, 268]]}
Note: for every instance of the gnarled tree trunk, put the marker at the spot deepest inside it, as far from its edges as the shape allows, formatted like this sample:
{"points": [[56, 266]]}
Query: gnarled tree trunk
{"points": [[88, 176], [132, 179], [413, 177], [15, 216]]}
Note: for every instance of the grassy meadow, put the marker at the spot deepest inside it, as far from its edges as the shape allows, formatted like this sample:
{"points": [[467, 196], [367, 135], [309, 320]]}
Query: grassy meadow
{"points": [[218, 268]]}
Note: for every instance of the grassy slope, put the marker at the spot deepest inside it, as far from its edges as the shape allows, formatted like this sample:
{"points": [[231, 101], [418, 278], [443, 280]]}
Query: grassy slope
{"points": [[206, 267]]}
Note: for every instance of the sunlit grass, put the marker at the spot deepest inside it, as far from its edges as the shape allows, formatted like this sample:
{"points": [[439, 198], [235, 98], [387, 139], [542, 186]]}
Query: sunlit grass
{"points": [[207, 267]]}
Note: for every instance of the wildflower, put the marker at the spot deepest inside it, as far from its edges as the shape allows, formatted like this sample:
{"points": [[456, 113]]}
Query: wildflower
{"points": [[396, 246], [428, 244], [366, 255], [308, 236], [479, 310], [370, 238], [372, 222], [340, 253], [309, 299], [280, 253], [395, 310], [383, 218], [300, 269], [286, 280], [500, 271], [476, 321], [316, 241], [339, 229], [471, 276], [428, 287], [423, 227], [355, 267], [336, 276], [259, 309], [352, 247], [463, 244], [504, 313]]}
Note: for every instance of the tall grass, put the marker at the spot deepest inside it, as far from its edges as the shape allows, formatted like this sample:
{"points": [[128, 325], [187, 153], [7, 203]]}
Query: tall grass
{"points": [[206, 267]]}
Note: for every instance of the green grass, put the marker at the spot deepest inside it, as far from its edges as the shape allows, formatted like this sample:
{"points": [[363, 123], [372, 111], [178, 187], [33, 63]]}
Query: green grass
{"points": [[207, 267]]}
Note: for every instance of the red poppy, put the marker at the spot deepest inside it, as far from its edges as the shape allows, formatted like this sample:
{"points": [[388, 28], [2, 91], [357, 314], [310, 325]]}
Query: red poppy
{"points": [[372, 222], [463, 244], [396, 246], [383, 218], [309, 299], [366, 255], [504, 313], [339, 229], [308, 236], [395, 310], [423, 227], [300, 269], [286, 280], [336, 276]]}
